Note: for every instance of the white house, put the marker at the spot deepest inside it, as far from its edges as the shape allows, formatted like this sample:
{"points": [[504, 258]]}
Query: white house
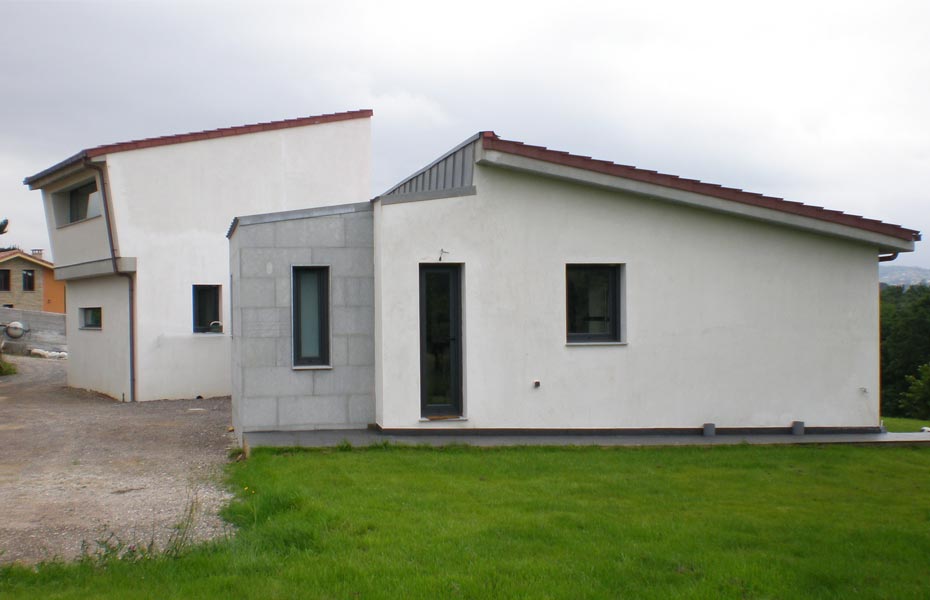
{"points": [[136, 229], [511, 287]]}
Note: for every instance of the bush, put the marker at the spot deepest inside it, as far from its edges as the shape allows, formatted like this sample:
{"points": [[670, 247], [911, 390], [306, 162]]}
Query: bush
{"points": [[915, 402], [905, 342], [7, 368]]}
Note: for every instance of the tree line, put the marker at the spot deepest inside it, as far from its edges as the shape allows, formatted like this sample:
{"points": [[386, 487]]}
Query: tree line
{"points": [[905, 351]]}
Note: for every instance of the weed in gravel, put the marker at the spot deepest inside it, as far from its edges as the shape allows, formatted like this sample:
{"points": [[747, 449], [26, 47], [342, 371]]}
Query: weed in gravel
{"points": [[110, 547]]}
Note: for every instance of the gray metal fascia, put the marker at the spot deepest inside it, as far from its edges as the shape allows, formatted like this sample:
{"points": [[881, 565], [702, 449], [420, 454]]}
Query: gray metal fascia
{"points": [[302, 213], [470, 140], [885, 243], [434, 195]]}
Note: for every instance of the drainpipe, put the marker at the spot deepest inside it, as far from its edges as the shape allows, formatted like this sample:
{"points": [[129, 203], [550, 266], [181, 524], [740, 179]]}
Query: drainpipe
{"points": [[887, 257], [129, 277]]}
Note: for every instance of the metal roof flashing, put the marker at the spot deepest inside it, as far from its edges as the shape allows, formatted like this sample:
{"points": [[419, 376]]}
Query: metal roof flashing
{"points": [[302, 213]]}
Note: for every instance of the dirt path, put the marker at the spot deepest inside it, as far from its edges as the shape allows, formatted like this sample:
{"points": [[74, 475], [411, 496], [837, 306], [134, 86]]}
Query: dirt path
{"points": [[76, 466]]}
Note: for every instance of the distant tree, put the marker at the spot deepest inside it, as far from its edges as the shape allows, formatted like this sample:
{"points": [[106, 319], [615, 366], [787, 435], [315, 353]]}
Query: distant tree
{"points": [[915, 402], [905, 342]]}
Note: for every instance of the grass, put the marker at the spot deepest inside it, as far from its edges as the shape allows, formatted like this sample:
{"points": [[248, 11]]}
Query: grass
{"points": [[902, 425], [716, 522], [6, 368]]}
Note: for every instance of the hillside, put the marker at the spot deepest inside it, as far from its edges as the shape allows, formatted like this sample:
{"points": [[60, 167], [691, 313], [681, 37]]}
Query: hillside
{"points": [[900, 275]]}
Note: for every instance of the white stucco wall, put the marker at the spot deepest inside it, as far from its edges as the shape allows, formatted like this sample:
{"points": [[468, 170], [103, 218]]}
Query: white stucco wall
{"points": [[729, 321], [75, 243], [99, 359], [172, 206]]}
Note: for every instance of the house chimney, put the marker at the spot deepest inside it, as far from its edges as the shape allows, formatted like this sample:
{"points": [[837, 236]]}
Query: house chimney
{"points": [[37, 252]]}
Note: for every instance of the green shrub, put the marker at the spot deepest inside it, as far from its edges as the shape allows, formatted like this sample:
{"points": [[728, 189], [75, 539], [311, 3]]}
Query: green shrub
{"points": [[915, 402]]}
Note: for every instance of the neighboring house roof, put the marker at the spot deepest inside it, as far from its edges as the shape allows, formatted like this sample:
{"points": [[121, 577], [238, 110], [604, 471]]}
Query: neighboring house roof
{"points": [[195, 137], [11, 254], [452, 172]]}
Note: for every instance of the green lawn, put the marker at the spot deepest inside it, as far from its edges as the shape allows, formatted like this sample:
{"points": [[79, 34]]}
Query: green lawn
{"points": [[717, 522], [901, 425]]}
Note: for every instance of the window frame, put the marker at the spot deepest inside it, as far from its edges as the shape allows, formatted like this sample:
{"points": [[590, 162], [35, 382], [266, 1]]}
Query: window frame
{"points": [[616, 333], [6, 281], [208, 328], [84, 311], [323, 360], [32, 278], [84, 199]]}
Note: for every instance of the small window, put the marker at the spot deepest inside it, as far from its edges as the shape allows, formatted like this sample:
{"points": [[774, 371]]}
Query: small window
{"points": [[79, 200], [29, 280], [207, 309], [91, 317], [4, 280], [594, 303], [311, 315]]}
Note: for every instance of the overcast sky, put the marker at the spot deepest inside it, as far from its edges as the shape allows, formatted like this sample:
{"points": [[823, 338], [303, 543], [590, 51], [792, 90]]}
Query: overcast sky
{"points": [[826, 103]]}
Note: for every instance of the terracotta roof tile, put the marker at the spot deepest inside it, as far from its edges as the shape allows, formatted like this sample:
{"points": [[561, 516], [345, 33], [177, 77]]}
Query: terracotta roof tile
{"points": [[490, 141], [11, 254], [198, 136]]}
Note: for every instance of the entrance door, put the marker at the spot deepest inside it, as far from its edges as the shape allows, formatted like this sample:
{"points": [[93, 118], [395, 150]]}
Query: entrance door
{"points": [[440, 340]]}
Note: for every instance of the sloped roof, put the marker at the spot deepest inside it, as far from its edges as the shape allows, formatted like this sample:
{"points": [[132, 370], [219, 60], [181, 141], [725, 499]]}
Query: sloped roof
{"points": [[198, 136], [11, 254], [491, 141]]}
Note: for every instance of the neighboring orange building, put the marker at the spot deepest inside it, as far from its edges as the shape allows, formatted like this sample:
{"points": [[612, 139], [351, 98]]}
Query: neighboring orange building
{"points": [[27, 282]]}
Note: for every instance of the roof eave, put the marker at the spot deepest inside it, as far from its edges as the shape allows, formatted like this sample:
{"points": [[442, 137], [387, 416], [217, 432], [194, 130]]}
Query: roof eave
{"points": [[20, 254], [884, 241], [41, 178], [56, 171]]}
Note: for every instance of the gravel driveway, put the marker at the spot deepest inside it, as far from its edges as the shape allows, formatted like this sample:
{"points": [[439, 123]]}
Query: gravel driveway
{"points": [[77, 466]]}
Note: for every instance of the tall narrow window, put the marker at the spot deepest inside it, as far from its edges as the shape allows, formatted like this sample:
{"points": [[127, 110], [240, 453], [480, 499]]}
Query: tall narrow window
{"points": [[311, 315], [594, 303], [79, 200], [207, 309], [91, 317], [4, 280], [29, 280]]}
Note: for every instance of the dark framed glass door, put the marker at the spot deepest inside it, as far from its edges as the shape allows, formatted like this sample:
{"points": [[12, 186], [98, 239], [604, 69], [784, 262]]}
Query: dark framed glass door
{"points": [[441, 340]]}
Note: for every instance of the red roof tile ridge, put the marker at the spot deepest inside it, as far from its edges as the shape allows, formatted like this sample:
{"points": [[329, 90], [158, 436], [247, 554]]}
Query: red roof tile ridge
{"points": [[180, 138], [492, 141], [8, 254]]}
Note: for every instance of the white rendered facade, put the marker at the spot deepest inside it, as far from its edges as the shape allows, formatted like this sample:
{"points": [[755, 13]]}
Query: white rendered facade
{"points": [[728, 320], [725, 307], [168, 205]]}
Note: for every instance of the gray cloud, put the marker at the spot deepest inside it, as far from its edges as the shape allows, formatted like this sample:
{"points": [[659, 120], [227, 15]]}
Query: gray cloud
{"points": [[822, 103]]}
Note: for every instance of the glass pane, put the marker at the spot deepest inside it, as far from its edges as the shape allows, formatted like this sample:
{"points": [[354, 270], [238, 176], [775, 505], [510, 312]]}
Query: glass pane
{"points": [[438, 338], [589, 300], [206, 306], [310, 318]]}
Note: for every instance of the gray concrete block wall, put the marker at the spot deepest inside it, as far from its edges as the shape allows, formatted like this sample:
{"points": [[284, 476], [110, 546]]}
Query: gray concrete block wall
{"points": [[269, 393], [46, 331]]}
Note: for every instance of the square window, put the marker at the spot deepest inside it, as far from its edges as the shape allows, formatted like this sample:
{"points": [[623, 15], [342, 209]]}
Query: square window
{"points": [[594, 303], [311, 315], [4, 280], [29, 280], [207, 309], [79, 200], [91, 317]]}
